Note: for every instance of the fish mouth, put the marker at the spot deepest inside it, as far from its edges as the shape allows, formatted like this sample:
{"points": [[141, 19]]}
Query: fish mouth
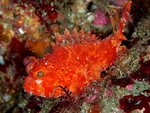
{"points": [[27, 86], [33, 87]]}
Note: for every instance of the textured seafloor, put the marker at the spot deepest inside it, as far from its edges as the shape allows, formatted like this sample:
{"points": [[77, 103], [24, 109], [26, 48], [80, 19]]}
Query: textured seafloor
{"points": [[27, 28]]}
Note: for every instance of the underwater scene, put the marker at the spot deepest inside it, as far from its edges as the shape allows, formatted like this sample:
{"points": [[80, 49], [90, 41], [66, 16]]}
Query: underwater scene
{"points": [[74, 56]]}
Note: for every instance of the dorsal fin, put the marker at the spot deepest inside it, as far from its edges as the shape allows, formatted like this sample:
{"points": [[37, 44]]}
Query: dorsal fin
{"points": [[74, 37]]}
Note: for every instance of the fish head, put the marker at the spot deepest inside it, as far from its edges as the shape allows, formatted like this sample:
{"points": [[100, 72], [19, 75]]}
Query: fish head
{"points": [[37, 81]]}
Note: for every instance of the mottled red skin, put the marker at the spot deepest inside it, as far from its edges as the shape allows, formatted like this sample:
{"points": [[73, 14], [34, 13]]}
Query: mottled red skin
{"points": [[72, 66]]}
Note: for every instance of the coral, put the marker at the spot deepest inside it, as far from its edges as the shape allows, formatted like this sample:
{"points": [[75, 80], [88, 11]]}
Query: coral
{"points": [[39, 47], [142, 28], [100, 18]]}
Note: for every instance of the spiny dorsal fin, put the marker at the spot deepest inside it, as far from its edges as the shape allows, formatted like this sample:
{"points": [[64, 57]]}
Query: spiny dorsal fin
{"points": [[74, 37]]}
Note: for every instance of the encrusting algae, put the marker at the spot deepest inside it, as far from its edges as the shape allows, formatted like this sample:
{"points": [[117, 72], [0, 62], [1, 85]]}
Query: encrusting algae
{"points": [[77, 59]]}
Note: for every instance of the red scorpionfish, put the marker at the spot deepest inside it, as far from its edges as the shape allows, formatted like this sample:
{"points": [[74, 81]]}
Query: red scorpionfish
{"points": [[78, 59]]}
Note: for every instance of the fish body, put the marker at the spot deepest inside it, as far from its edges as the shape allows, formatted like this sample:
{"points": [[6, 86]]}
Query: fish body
{"points": [[74, 65]]}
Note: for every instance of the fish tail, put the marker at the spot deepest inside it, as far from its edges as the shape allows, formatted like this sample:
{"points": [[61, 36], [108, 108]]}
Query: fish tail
{"points": [[123, 21], [125, 16]]}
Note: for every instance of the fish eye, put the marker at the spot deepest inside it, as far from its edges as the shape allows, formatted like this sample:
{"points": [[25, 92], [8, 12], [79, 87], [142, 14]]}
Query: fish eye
{"points": [[40, 74]]}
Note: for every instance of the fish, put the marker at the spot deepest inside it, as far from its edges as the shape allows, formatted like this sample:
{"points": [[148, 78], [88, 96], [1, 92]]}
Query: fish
{"points": [[78, 58]]}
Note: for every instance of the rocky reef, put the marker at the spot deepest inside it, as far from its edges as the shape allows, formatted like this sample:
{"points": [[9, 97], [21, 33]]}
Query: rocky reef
{"points": [[27, 28]]}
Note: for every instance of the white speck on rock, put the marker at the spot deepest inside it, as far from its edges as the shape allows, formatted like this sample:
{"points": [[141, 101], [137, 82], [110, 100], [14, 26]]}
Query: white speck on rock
{"points": [[90, 18], [21, 31], [6, 97], [2, 62], [1, 12]]}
